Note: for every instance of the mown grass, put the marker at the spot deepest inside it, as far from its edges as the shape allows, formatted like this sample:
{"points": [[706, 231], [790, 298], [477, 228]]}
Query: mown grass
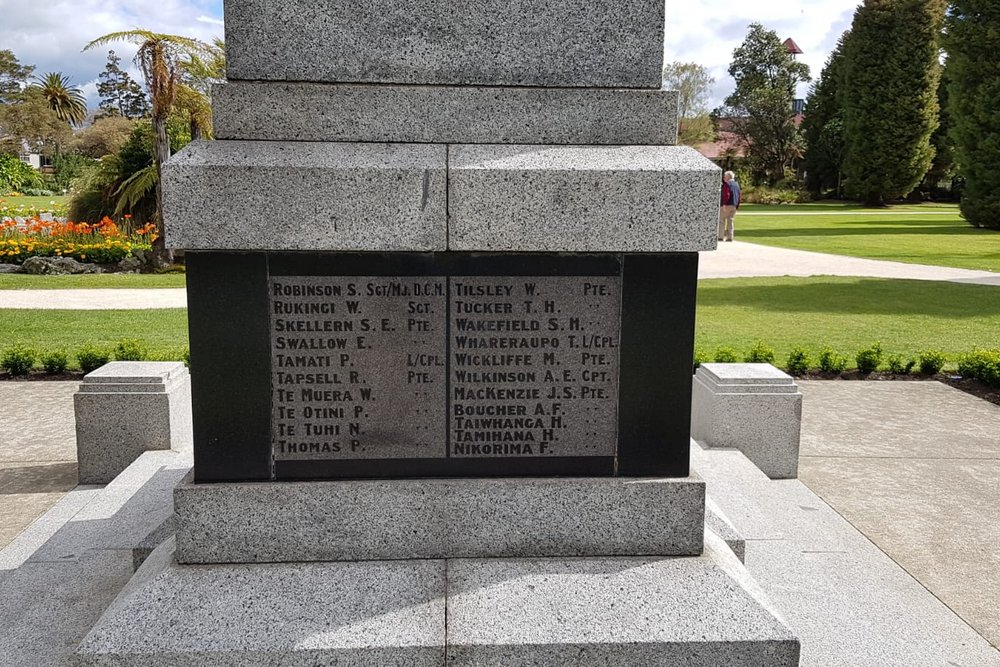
{"points": [[16, 281], [848, 314], [33, 202], [163, 331], [919, 234]]}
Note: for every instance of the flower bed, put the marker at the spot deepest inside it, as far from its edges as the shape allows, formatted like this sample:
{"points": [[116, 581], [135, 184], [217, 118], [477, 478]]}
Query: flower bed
{"points": [[104, 242]]}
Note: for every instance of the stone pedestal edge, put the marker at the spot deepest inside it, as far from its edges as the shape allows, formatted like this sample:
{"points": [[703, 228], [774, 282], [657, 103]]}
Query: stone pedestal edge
{"points": [[438, 518]]}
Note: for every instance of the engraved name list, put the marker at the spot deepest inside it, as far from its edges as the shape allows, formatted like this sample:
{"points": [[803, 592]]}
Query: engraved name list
{"points": [[434, 367]]}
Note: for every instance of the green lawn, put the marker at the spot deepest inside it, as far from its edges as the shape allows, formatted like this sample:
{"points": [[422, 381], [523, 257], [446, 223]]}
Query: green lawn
{"points": [[13, 281], [164, 331], [920, 234], [32, 202], [907, 316]]}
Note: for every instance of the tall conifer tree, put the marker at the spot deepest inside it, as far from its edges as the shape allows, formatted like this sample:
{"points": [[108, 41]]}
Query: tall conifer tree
{"points": [[889, 96], [973, 42], [823, 125]]}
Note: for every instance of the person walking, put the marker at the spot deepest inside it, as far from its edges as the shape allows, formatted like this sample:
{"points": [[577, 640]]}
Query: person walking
{"points": [[731, 197]]}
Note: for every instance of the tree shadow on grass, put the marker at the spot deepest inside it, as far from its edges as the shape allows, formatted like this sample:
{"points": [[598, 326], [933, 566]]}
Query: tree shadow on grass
{"points": [[861, 296], [867, 228]]}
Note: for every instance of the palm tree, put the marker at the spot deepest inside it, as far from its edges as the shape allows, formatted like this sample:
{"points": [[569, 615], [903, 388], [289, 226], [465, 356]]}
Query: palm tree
{"points": [[67, 102], [159, 59]]}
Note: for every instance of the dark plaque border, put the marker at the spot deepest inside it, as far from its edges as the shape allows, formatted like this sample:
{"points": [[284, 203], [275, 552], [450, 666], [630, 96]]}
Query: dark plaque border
{"points": [[231, 375]]}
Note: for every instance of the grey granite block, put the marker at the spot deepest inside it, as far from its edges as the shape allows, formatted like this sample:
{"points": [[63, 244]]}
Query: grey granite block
{"points": [[294, 615], [254, 195], [126, 408], [717, 522], [438, 518], [47, 608], [601, 43], [751, 407], [581, 198], [280, 111], [124, 513], [697, 612]]}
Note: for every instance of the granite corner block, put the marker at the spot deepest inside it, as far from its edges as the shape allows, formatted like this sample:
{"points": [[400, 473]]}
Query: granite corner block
{"points": [[126, 408], [581, 199], [760, 416], [264, 195]]}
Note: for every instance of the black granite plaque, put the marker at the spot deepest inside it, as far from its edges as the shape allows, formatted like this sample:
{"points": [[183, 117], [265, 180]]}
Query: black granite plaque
{"points": [[638, 312], [534, 366], [372, 367], [357, 367]]}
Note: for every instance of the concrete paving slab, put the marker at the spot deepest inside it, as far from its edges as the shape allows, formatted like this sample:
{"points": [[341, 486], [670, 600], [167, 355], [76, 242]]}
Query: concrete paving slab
{"points": [[94, 299], [27, 490], [934, 517], [37, 423], [896, 419], [849, 603], [37, 451], [915, 466]]}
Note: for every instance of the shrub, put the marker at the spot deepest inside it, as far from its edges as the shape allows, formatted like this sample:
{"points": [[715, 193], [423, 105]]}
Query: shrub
{"points": [[91, 357], [726, 355], [760, 353], [931, 362], [16, 175], [130, 349], [186, 357], [831, 362], [982, 365], [798, 361], [18, 360], [55, 362], [898, 366], [700, 357], [869, 358]]}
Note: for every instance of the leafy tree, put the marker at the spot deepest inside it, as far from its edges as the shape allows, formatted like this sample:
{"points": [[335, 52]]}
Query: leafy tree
{"points": [[67, 102], [28, 122], [760, 108], [889, 96], [823, 126], [104, 137], [12, 76], [693, 85], [973, 42], [120, 94], [158, 59]]}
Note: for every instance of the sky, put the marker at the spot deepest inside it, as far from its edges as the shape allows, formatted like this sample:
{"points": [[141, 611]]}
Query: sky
{"points": [[50, 34]]}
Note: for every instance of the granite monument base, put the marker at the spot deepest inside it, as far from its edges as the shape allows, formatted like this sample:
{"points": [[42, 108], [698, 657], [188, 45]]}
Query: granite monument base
{"points": [[698, 611], [754, 408], [125, 408], [438, 518]]}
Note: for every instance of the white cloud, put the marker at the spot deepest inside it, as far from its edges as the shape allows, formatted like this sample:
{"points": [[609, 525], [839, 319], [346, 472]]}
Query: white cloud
{"points": [[51, 34], [708, 34]]}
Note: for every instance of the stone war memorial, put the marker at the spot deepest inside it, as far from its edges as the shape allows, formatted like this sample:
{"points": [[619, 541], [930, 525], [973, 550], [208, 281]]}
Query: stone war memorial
{"points": [[442, 264]]}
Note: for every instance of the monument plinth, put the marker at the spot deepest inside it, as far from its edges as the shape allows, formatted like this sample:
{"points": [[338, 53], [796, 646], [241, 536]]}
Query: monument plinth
{"points": [[442, 267]]}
